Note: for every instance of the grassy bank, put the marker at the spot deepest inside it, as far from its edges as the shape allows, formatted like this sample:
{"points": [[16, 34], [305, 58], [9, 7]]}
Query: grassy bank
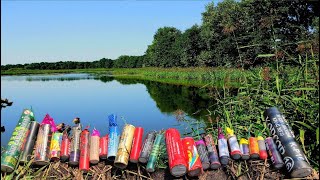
{"points": [[182, 76], [187, 76]]}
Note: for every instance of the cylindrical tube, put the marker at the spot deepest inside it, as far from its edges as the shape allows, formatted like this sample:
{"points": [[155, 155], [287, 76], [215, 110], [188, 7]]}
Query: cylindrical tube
{"points": [[30, 142], [103, 147], [253, 148], [147, 147], [274, 153], [193, 158], [42, 147], [114, 136], [84, 151], [42, 150], [244, 147], [212, 151], [94, 147], [295, 160], [55, 146], [176, 156], [154, 153], [125, 143], [223, 148], [233, 144], [65, 147], [203, 153], [75, 145], [262, 148], [10, 157], [136, 145]]}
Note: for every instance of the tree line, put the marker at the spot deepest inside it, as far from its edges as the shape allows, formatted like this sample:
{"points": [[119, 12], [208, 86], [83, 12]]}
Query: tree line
{"points": [[242, 33]]}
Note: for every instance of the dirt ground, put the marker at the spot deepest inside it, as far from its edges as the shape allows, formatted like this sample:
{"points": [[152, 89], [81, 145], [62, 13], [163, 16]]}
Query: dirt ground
{"points": [[241, 170]]}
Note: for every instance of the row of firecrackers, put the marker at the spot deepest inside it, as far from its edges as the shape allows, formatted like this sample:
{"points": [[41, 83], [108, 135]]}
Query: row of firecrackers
{"points": [[47, 142]]}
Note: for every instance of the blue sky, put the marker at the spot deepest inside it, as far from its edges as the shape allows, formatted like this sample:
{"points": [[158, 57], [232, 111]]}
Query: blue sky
{"points": [[50, 31]]}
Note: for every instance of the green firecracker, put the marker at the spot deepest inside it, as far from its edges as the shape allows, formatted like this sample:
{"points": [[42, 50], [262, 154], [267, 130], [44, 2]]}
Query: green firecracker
{"points": [[154, 153], [10, 157]]}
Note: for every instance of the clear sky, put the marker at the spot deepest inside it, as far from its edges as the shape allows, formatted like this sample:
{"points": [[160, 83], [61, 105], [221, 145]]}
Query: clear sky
{"points": [[50, 31]]}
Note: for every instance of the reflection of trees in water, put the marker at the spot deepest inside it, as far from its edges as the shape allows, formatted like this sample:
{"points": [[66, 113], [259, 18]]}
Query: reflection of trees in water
{"points": [[50, 78], [70, 78], [169, 98], [194, 101], [104, 79], [129, 81]]}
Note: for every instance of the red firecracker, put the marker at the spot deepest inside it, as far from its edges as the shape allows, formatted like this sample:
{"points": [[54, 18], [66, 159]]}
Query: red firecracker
{"points": [[84, 151], [192, 156], [136, 145], [103, 147], [176, 155]]}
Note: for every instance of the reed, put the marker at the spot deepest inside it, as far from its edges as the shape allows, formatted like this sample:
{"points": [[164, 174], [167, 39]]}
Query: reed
{"points": [[294, 90]]}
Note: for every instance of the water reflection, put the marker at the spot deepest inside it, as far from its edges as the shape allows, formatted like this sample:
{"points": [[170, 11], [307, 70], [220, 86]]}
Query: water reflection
{"points": [[149, 104], [104, 79], [171, 99], [63, 77], [179, 99], [54, 77]]}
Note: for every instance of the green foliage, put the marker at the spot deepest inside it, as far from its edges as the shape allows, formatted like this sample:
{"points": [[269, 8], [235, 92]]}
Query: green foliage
{"points": [[191, 46], [205, 58], [164, 50], [102, 63], [129, 62], [295, 91]]}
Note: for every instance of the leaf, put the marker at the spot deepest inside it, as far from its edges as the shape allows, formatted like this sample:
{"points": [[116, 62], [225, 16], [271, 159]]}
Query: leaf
{"points": [[228, 118], [40, 170], [270, 92], [303, 99], [9, 177], [317, 135], [302, 139], [278, 84], [25, 168], [266, 55], [242, 93], [302, 89], [239, 169], [241, 47], [305, 125]]}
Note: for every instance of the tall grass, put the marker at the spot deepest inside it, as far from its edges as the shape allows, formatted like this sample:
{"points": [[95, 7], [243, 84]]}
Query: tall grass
{"points": [[186, 76], [294, 90]]}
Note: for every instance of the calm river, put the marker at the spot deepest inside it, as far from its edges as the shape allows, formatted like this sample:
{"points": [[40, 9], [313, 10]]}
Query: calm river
{"points": [[151, 105]]}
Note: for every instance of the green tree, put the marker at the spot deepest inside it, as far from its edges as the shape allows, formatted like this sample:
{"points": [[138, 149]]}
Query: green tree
{"points": [[191, 46], [164, 50]]}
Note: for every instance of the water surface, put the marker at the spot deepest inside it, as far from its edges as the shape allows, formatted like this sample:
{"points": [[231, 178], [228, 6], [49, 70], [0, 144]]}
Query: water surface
{"points": [[151, 105]]}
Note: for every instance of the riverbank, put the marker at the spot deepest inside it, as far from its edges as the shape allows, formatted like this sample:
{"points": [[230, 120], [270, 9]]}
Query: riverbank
{"points": [[182, 76], [199, 77], [294, 90]]}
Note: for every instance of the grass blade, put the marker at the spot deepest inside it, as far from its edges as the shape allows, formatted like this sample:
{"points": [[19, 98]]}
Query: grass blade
{"points": [[317, 135]]}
